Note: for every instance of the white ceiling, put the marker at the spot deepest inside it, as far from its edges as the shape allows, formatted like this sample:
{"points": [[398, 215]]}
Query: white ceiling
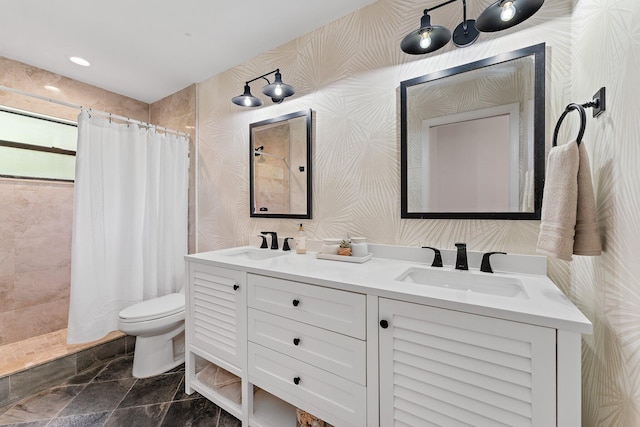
{"points": [[148, 49]]}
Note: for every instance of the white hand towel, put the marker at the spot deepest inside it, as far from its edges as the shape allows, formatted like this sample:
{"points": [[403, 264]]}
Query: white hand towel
{"points": [[587, 238], [559, 202]]}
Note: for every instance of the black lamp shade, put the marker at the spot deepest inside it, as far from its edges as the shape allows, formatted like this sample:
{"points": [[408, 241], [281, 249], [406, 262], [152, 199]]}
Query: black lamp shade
{"points": [[440, 36], [492, 19], [277, 90], [246, 99]]}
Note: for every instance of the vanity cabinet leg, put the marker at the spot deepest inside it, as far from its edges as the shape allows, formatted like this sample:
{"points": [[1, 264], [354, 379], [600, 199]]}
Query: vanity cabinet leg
{"points": [[189, 371], [247, 401]]}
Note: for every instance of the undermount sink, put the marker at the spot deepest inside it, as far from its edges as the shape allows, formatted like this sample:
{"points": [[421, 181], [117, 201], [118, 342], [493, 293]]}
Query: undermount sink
{"points": [[482, 283], [254, 254]]}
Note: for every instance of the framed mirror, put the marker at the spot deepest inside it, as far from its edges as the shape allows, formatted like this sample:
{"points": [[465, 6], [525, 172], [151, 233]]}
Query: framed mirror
{"points": [[473, 139], [280, 166]]}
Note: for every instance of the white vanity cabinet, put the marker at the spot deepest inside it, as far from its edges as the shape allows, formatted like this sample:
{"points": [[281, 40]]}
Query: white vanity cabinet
{"points": [[443, 367], [356, 348]]}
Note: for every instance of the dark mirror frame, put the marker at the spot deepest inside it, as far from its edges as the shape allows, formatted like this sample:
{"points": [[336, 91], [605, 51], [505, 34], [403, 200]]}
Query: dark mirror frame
{"points": [[538, 52], [309, 168]]}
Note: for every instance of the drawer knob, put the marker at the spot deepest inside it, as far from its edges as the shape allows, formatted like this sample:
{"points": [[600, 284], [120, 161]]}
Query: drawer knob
{"points": [[296, 341], [296, 380], [236, 287], [384, 324], [296, 302]]}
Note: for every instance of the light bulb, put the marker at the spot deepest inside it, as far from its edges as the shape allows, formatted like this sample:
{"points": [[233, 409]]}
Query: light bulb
{"points": [[425, 40], [508, 11], [278, 90], [247, 101]]}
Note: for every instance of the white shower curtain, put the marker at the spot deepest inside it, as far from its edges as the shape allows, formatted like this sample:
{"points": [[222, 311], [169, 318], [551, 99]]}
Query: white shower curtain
{"points": [[129, 225]]}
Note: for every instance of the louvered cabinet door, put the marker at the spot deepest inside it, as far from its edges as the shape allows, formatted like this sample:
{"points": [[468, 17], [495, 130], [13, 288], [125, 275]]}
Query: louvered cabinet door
{"points": [[217, 312], [446, 368]]}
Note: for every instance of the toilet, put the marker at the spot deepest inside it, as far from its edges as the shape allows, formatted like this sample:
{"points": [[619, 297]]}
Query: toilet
{"points": [[158, 325]]}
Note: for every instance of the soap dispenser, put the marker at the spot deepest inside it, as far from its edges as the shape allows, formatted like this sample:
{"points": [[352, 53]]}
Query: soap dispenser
{"points": [[301, 241]]}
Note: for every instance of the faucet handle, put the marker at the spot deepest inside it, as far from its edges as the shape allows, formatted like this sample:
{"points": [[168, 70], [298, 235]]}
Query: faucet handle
{"points": [[437, 256], [285, 245], [264, 241], [486, 263]]}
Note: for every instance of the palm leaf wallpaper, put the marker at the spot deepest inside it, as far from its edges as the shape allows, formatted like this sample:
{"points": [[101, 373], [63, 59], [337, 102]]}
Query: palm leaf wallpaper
{"points": [[349, 71]]}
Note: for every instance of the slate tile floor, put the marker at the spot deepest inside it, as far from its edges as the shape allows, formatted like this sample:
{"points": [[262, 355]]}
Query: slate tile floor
{"points": [[109, 396]]}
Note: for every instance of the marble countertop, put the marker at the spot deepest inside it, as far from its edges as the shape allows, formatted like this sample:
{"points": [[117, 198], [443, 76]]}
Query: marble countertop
{"points": [[544, 304]]}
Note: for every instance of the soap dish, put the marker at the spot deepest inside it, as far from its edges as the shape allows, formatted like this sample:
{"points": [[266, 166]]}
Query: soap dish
{"points": [[344, 258]]}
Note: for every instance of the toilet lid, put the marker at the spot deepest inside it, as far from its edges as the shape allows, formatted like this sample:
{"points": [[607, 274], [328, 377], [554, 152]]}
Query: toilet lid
{"points": [[154, 308]]}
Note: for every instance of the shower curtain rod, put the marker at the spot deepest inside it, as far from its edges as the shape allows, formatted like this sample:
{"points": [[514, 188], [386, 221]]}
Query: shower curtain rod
{"points": [[92, 111]]}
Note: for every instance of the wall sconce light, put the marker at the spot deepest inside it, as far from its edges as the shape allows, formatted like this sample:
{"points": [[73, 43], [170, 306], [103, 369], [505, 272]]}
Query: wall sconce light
{"points": [[499, 16], [277, 91], [429, 38]]}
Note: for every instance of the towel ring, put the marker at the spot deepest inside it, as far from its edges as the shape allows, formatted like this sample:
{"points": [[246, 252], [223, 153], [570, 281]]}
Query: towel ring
{"points": [[583, 122]]}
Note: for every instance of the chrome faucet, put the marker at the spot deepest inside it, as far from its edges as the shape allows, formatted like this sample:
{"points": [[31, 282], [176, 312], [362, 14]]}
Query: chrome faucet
{"points": [[461, 257], [274, 238]]}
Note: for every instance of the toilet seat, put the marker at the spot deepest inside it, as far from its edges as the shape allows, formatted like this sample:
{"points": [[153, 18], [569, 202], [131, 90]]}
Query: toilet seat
{"points": [[155, 308]]}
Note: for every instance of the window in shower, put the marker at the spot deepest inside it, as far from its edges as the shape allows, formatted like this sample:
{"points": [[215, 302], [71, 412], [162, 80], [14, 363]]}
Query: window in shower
{"points": [[34, 146]]}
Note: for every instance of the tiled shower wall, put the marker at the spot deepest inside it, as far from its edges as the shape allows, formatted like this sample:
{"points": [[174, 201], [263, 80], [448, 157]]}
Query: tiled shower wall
{"points": [[35, 252], [36, 216]]}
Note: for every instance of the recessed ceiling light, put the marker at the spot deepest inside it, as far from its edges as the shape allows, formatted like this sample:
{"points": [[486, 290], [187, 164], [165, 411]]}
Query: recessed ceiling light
{"points": [[52, 88], [79, 61]]}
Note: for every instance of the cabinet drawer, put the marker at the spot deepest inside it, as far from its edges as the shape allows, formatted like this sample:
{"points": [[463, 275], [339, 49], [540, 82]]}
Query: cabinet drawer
{"points": [[327, 396], [335, 353], [332, 309]]}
